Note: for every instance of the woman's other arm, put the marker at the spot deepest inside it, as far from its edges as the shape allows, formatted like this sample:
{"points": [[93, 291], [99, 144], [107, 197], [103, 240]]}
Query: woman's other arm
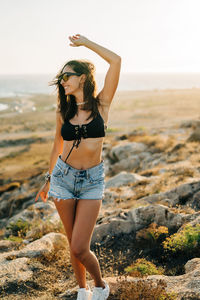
{"points": [[56, 150], [58, 143]]}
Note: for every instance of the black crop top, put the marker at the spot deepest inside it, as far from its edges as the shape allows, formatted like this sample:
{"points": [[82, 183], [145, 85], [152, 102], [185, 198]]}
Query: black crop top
{"points": [[95, 128]]}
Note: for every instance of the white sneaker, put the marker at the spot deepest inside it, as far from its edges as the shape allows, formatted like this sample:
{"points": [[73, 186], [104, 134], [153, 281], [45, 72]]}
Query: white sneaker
{"points": [[101, 294], [84, 294]]}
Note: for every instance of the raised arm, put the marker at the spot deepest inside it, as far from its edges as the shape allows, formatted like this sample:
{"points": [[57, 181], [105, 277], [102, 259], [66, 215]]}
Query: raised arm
{"points": [[114, 60]]}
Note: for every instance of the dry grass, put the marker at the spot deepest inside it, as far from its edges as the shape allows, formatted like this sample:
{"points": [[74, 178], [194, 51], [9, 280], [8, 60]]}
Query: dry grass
{"points": [[156, 143], [27, 164], [143, 290], [165, 182], [154, 109]]}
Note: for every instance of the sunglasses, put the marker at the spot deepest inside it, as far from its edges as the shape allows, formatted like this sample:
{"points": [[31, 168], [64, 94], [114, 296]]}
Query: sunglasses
{"points": [[65, 76]]}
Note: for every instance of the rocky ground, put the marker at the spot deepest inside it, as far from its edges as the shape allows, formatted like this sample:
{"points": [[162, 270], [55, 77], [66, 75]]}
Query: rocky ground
{"points": [[150, 210]]}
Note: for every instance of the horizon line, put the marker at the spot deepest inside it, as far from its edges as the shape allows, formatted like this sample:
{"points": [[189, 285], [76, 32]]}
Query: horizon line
{"points": [[103, 73]]}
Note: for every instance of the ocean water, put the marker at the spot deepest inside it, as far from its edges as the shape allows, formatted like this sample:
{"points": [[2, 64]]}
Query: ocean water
{"points": [[19, 85]]}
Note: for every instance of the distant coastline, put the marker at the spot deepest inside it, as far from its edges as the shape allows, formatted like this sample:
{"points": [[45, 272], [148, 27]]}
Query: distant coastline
{"points": [[21, 85]]}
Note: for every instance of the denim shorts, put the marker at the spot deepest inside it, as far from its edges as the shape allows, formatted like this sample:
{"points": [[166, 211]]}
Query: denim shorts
{"points": [[68, 182]]}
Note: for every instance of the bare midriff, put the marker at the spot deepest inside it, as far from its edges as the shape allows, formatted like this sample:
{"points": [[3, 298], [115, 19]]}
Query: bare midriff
{"points": [[87, 155]]}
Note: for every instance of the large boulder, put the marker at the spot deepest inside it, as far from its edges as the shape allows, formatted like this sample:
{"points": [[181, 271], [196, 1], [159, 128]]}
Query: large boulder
{"points": [[130, 163], [16, 266], [123, 178], [161, 215], [38, 210], [138, 218], [44, 247], [112, 226], [125, 150], [184, 194]]}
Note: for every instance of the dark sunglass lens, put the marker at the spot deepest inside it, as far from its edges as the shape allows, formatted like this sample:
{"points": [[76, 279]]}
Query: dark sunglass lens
{"points": [[65, 77]]}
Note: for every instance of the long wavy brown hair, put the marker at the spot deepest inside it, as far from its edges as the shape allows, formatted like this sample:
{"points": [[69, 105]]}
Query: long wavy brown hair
{"points": [[66, 105]]}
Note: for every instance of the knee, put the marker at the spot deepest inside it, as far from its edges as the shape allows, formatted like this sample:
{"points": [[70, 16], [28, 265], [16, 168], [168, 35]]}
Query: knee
{"points": [[78, 250]]}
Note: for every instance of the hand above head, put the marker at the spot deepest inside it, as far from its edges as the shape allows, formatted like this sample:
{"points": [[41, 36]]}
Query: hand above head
{"points": [[77, 40]]}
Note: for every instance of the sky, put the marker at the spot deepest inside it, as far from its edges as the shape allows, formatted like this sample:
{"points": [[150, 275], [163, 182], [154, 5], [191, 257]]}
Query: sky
{"points": [[149, 35]]}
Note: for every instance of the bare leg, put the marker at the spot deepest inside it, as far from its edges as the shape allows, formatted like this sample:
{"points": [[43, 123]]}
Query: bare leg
{"points": [[85, 220], [66, 210]]}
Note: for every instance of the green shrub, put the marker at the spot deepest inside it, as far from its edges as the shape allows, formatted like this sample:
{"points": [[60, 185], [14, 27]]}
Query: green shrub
{"points": [[141, 267], [188, 239], [18, 228], [14, 238], [35, 230]]}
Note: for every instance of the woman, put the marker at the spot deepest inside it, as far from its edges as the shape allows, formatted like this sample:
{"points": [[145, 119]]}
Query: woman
{"points": [[77, 186]]}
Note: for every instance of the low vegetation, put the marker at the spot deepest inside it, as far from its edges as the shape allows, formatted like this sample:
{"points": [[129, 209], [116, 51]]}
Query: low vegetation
{"points": [[186, 240], [142, 267], [154, 234]]}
